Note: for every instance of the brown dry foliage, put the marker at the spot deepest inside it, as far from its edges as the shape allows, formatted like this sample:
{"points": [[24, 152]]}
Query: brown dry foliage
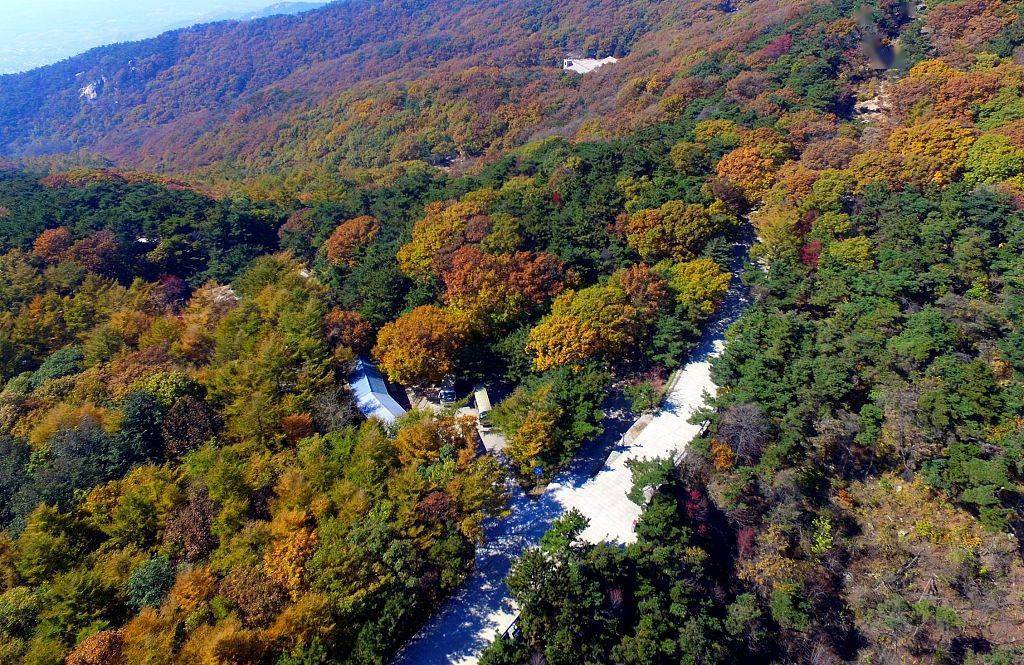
{"points": [[103, 648]]}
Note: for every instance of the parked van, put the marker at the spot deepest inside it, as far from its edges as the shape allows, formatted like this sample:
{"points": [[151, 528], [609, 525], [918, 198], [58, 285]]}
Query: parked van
{"points": [[483, 407]]}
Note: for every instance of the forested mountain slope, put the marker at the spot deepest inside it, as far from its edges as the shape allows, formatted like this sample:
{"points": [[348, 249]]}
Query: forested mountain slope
{"points": [[857, 497], [184, 479], [372, 82]]}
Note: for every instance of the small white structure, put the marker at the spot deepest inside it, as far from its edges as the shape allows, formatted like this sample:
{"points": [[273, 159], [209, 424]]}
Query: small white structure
{"points": [[371, 393], [586, 65]]}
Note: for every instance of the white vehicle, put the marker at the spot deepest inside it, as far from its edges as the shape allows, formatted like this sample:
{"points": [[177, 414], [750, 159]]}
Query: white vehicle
{"points": [[483, 407]]}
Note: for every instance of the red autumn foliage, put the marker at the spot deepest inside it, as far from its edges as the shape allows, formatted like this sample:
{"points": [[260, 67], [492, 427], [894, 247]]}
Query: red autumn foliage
{"points": [[745, 540], [189, 423], [810, 253], [188, 528], [298, 225], [173, 290], [747, 86], [348, 328], [698, 510], [194, 98], [776, 48], [834, 154], [957, 97], [437, 507], [967, 24], [647, 291], [256, 596], [97, 252]]}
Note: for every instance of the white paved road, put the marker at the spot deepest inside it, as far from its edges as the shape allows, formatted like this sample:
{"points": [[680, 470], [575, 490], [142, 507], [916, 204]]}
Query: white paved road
{"points": [[596, 483]]}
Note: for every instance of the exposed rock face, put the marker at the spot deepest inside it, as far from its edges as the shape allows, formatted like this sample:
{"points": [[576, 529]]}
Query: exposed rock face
{"points": [[92, 90]]}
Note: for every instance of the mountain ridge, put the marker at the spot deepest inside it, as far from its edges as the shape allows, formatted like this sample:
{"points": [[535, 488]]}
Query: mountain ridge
{"points": [[192, 98]]}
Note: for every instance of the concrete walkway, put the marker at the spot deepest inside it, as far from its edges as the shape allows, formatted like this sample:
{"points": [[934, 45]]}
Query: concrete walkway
{"points": [[595, 483]]}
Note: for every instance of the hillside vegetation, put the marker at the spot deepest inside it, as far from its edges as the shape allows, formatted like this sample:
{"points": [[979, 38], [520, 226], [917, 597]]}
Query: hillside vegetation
{"points": [[368, 83], [858, 494], [184, 477]]}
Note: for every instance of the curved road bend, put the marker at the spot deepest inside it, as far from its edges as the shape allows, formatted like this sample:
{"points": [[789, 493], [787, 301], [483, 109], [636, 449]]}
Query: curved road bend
{"points": [[595, 483]]}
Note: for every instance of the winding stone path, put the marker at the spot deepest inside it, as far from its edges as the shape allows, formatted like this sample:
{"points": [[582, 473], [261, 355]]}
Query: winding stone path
{"points": [[595, 483]]}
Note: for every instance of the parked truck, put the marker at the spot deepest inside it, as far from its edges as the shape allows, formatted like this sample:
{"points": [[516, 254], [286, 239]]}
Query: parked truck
{"points": [[483, 407]]}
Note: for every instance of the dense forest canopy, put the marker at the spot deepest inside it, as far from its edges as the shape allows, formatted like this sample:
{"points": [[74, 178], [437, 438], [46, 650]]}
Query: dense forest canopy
{"points": [[184, 477]]}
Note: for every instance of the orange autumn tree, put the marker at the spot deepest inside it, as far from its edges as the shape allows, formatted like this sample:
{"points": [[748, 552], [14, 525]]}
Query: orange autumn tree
{"points": [[53, 244], [349, 237], [675, 230], [497, 289], [646, 290], [424, 439], [445, 228], [295, 540], [419, 347], [957, 28], [749, 167], [348, 329], [97, 252], [934, 88], [102, 648]]}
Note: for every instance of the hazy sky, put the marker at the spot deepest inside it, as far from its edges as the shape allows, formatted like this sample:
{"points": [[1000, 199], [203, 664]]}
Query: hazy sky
{"points": [[39, 32]]}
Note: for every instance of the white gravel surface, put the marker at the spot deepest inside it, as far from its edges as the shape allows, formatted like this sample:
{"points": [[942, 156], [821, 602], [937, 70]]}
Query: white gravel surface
{"points": [[596, 483]]}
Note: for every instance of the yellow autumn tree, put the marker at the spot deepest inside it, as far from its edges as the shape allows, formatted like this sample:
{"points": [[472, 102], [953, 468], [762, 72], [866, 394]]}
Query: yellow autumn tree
{"points": [[309, 618], [422, 437], [444, 229], [533, 436], [874, 166], [776, 231], [582, 324], [721, 130], [853, 252], [700, 285], [688, 157], [933, 151], [562, 339], [528, 417], [192, 589], [675, 230], [285, 559], [419, 347]]}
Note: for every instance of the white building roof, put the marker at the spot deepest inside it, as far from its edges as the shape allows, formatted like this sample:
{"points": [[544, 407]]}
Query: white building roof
{"points": [[371, 393], [586, 65]]}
